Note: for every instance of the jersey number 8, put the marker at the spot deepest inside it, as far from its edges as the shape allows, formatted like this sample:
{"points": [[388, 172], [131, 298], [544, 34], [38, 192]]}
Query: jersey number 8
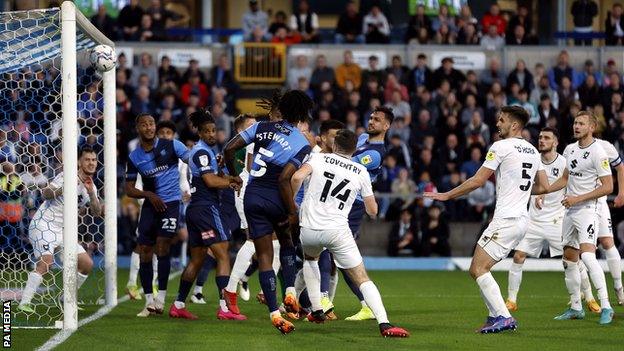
{"points": [[337, 189]]}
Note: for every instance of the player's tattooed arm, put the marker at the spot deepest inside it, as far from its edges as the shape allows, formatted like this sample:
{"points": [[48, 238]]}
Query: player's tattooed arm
{"points": [[474, 182], [619, 199], [540, 186], [95, 206], [299, 176], [229, 152]]}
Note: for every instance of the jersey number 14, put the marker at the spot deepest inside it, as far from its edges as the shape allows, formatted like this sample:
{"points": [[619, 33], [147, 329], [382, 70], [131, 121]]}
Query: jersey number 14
{"points": [[335, 193]]}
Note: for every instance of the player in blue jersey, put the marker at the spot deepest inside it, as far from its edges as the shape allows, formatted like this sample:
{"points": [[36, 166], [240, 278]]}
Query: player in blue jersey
{"points": [[204, 224], [370, 153], [156, 160], [279, 150]]}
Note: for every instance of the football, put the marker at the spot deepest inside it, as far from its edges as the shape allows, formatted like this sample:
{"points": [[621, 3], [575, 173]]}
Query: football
{"points": [[103, 58]]}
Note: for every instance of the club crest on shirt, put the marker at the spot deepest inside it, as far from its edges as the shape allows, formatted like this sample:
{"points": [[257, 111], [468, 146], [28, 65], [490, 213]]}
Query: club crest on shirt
{"points": [[490, 156], [203, 160], [163, 152], [367, 159], [586, 155], [555, 172]]}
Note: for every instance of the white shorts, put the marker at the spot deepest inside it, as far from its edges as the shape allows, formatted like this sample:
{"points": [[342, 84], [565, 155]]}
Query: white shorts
{"points": [[605, 228], [537, 233], [502, 235], [580, 226], [46, 237], [339, 242], [238, 201]]}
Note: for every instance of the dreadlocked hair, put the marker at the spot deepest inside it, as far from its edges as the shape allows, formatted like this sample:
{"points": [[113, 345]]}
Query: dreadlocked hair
{"points": [[270, 103], [295, 106], [200, 118]]}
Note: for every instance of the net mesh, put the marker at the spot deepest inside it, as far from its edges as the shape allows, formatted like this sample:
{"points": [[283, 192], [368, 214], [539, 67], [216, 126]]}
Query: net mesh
{"points": [[31, 158]]}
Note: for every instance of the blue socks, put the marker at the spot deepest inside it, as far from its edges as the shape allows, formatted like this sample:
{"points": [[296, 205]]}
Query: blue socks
{"points": [[222, 282], [268, 283], [164, 267], [185, 288], [325, 266], [288, 259], [146, 273]]}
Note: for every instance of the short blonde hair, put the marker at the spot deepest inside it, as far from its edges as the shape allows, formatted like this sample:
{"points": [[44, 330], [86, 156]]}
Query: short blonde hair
{"points": [[590, 115]]}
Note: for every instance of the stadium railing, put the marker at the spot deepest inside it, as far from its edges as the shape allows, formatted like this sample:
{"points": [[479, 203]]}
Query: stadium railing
{"points": [[260, 63]]}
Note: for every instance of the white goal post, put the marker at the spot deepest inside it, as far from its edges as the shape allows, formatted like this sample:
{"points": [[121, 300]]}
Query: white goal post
{"points": [[72, 20]]}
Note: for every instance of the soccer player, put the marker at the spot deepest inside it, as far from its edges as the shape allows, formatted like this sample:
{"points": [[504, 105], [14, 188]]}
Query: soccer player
{"points": [[587, 178], [165, 130], [605, 231], [204, 221], [518, 172], [279, 149], [545, 221], [370, 153], [334, 182], [45, 231], [156, 160]]}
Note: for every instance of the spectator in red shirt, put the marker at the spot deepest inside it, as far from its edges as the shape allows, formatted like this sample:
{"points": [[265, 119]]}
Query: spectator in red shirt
{"points": [[283, 36], [195, 86], [494, 17]]}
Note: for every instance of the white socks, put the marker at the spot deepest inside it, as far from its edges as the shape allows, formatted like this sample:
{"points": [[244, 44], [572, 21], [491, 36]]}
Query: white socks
{"points": [[149, 299], [492, 295], [134, 269], [276, 256], [300, 283], [81, 279], [333, 283], [491, 310], [155, 269], [162, 295], [34, 280], [573, 283], [597, 277], [373, 300], [198, 289], [312, 276], [586, 287], [179, 304], [242, 262], [614, 261], [515, 279]]}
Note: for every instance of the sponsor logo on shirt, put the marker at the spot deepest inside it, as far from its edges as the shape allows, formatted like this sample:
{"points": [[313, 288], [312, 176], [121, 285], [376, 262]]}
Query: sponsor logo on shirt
{"points": [[605, 163], [367, 159], [491, 155]]}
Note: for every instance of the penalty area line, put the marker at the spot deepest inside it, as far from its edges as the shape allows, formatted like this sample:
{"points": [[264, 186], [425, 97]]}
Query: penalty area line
{"points": [[63, 335]]}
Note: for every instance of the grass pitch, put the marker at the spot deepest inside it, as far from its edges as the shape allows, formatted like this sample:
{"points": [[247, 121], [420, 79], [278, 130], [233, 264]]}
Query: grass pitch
{"points": [[440, 309]]}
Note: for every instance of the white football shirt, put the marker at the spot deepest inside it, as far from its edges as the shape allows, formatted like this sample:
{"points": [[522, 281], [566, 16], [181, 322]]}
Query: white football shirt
{"points": [[551, 207], [516, 163], [585, 166], [614, 160], [52, 210], [331, 189]]}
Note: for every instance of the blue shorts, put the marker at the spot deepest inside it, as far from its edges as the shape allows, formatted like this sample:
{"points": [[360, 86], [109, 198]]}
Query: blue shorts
{"points": [[203, 222], [153, 224], [355, 217], [264, 215], [229, 215]]}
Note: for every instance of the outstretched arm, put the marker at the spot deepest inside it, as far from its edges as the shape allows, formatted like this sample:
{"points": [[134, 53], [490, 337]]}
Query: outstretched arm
{"points": [[474, 182], [229, 151]]}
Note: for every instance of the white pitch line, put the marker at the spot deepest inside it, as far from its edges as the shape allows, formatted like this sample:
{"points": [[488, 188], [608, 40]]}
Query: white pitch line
{"points": [[63, 335]]}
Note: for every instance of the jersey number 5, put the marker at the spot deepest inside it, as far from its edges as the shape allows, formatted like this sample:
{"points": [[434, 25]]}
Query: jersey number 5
{"points": [[337, 189], [525, 175], [260, 162]]}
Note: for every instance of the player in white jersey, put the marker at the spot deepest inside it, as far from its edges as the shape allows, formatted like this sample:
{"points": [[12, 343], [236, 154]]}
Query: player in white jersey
{"points": [[518, 172], [545, 223], [605, 229], [45, 231], [334, 182], [587, 178]]}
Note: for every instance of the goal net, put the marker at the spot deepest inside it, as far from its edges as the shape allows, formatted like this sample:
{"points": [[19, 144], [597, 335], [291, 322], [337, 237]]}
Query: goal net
{"points": [[53, 104]]}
